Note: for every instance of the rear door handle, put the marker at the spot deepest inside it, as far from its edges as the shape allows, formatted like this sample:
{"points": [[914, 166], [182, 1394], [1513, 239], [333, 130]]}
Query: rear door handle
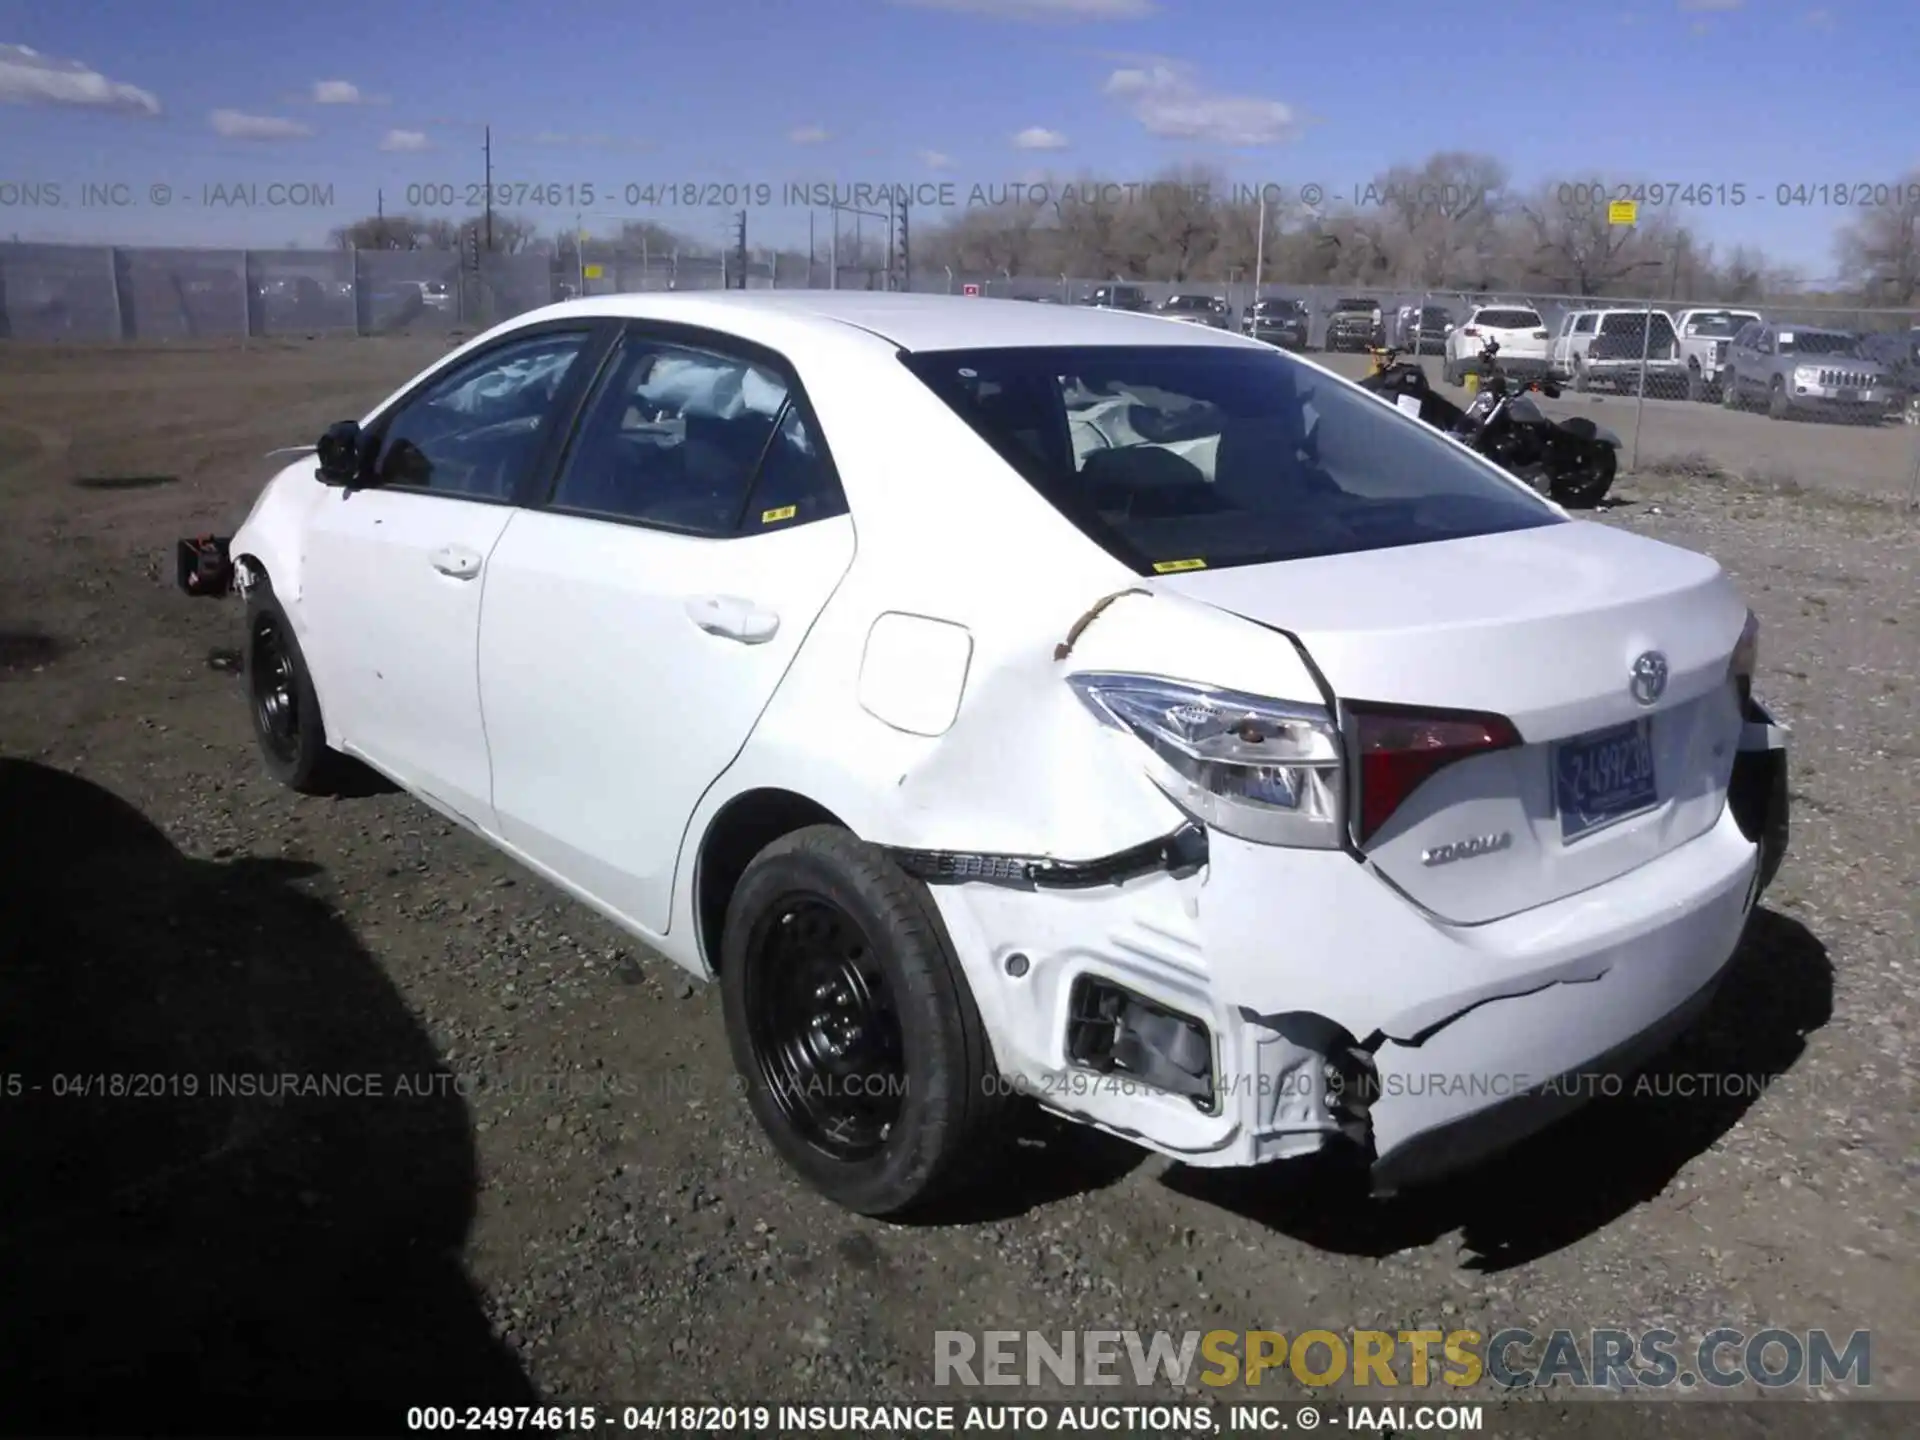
{"points": [[457, 561], [733, 618]]}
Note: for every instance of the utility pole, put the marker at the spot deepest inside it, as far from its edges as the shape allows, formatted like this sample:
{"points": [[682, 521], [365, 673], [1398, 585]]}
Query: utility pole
{"points": [[379, 204], [487, 148], [740, 249], [906, 253]]}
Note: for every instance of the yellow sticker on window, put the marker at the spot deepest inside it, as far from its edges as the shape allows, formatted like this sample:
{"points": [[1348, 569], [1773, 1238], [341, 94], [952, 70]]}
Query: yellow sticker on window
{"points": [[785, 512], [1167, 567]]}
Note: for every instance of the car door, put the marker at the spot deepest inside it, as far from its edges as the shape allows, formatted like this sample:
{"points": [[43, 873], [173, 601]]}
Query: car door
{"points": [[638, 620], [395, 566]]}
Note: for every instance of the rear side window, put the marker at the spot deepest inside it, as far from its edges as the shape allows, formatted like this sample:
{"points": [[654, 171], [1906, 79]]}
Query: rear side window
{"points": [[690, 440], [1189, 457], [1509, 319]]}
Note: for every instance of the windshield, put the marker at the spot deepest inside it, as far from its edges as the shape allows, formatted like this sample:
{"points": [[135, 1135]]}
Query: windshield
{"points": [[1819, 342], [1359, 305], [1280, 307], [1725, 323], [1192, 302], [1189, 457]]}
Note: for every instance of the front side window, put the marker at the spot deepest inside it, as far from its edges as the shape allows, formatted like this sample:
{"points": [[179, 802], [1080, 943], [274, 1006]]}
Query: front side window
{"points": [[1182, 457], [479, 431]]}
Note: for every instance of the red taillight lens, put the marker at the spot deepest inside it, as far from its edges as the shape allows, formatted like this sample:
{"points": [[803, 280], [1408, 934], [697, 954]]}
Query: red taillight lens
{"points": [[1400, 748], [1473, 331]]}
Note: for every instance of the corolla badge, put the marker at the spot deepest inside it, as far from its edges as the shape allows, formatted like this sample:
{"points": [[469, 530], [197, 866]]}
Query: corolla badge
{"points": [[1647, 680], [1467, 849]]}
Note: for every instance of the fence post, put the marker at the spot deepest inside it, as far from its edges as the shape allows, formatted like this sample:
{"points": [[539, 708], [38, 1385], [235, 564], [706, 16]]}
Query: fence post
{"points": [[354, 279], [113, 289], [246, 298], [1640, 400]]}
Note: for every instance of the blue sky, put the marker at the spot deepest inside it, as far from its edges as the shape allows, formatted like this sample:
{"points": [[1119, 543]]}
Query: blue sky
{"points": [[355, 98]]}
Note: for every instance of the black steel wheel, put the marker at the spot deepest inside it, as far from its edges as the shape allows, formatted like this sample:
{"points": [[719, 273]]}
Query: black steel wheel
{"points": [[286, 712], [1587, 482], [852, 1023], [823, 1027], [274, 690]]}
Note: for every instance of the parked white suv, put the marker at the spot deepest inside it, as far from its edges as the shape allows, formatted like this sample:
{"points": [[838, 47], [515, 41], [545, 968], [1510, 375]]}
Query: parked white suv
{"points": [[1521, 333]]}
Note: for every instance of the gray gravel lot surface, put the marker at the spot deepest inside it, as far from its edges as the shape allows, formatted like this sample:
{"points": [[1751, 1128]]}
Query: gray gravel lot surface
{"points": [[549, 1187]]}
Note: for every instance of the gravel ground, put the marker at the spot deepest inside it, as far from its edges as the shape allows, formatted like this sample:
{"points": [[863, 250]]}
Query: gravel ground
{"points": [[546, 1186]]}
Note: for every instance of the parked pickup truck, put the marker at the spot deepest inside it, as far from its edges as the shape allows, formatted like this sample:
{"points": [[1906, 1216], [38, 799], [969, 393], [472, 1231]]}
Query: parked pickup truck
{"points": [[1704, 338], [1612, 359]]}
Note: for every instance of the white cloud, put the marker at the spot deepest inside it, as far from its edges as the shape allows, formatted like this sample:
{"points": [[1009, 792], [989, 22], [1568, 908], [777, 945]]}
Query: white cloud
{"points": [[808, 135], [1168, 100], [1711, 4], [237, 126], [29, 78], [1071, 11], [337, 92], [934, 160], [1038, 137], [405, 140]]}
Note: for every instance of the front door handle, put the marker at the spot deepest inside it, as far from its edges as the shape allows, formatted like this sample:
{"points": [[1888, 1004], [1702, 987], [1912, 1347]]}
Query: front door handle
{"points": [[733, 618], [457, 561]]}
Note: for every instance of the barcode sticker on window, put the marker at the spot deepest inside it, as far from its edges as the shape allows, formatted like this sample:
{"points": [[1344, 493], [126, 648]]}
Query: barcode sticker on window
{"points": [[785, 512], [1409, 403]]}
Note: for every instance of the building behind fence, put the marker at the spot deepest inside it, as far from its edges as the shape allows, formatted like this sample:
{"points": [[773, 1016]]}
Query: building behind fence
{"points": [[78, 293]]}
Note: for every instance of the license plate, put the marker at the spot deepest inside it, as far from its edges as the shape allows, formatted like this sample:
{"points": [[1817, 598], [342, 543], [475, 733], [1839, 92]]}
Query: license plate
{"points": [[1604, 777], [1850, 396]]}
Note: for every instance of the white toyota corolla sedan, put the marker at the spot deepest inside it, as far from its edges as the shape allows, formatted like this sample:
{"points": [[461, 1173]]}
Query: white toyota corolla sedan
{"points": [[1001, 700]]}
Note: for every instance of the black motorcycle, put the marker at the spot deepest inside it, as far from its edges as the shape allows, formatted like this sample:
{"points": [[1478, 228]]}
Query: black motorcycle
{"points": [[1573, 461]]}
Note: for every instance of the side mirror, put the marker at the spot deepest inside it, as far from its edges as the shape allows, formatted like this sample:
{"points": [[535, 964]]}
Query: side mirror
{"points": [[339, 453]]}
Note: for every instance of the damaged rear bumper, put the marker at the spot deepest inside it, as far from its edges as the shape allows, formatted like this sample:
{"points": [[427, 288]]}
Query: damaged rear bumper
{"points": [[203, 566], [1262, 1005]]}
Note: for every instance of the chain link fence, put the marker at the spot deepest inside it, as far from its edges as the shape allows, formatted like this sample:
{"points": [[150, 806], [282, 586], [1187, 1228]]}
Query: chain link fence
{"points": [[1686, 387]]}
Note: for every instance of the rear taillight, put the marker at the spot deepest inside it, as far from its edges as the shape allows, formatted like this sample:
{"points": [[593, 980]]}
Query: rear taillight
{"points": [[1399, 748], [1473, 332], [1541, 335]]}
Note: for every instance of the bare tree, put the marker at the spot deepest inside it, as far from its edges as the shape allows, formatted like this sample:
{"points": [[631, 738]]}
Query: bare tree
{"points": [[1576, 248], [1880, 251]]}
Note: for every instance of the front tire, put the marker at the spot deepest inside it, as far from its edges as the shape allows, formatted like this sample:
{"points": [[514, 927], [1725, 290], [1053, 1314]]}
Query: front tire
{"points": [[1696, 386], [1729, 391], [287, 722], [1778, 406], [852, 1024]]}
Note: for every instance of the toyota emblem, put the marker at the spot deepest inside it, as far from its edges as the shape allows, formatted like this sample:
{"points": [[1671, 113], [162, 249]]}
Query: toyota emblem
{"points": [[1648, 678]]}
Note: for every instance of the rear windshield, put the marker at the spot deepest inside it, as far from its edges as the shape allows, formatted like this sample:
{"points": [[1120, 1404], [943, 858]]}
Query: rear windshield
{"points": [[1355, 305], [1279, 307], [1188, 457], [1192, 302], [1508, 319], [1719, 324]]}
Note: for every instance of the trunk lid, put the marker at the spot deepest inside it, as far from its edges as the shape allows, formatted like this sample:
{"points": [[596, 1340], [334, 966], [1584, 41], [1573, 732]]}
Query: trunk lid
{"points": [[1543, 627]]}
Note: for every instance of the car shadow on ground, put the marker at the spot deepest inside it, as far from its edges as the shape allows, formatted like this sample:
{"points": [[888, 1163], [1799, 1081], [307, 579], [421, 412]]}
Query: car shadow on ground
{"points": [[184, 1247], [1619, 1151], [1043, 1158]]}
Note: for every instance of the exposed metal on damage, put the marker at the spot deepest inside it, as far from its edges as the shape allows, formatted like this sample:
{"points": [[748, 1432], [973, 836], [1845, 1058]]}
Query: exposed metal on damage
{"points": [[1179, 854], [1065, 648]]}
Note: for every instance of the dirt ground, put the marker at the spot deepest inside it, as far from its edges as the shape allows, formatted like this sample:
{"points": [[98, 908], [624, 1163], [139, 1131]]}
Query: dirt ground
{"points": [[548, 1189]]}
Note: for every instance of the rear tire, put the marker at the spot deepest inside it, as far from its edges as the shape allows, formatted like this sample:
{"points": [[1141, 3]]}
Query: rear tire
{"points": [[287, 722], [837, 976], [1696, 386], [1580, 381], [1589, 485]]}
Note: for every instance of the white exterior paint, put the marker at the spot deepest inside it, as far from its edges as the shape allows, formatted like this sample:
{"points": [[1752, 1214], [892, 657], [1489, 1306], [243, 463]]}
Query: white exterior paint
{"points": [[589, 696]]}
